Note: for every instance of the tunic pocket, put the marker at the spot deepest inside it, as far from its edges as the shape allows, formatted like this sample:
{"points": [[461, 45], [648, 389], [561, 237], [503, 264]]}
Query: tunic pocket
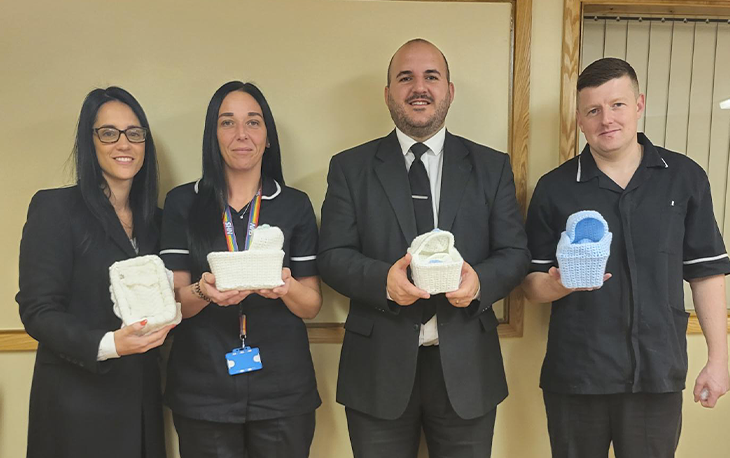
{"points": [[671, 233]]}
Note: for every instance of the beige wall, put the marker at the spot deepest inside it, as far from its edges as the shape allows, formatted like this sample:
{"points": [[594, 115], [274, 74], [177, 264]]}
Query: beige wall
{"points": [[49, 58]]}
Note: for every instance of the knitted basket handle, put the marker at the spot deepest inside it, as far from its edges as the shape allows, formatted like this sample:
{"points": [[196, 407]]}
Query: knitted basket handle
{"points": [[436, 242]]}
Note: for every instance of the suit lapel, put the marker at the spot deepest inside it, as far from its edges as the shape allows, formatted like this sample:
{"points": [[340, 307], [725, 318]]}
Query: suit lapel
{"points": [[146, 236], [116, 232], [391, 171], [454, 177]]}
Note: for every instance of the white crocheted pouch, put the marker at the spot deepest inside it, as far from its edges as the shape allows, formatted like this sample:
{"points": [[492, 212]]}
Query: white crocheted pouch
{"points": [[259, 267], [142, 289], [583, 250], [436, 264]]}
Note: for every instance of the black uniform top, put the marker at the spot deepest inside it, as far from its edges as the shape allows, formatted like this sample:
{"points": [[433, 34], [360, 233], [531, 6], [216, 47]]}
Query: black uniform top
{"points": [[628, 336], [198, 383]]}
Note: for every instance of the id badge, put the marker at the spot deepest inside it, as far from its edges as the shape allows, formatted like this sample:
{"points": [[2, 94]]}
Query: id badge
{"points": [[242, 360]]}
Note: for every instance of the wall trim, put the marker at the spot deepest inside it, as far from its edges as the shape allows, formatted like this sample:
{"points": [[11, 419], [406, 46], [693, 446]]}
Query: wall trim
{"points": [[14, 340]]}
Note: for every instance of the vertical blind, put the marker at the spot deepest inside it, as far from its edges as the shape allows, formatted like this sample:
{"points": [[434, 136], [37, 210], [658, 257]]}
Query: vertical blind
{"points": [[683, 67]]}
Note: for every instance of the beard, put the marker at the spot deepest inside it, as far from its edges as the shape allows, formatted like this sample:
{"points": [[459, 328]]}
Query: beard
{"points": [[412, 128]]}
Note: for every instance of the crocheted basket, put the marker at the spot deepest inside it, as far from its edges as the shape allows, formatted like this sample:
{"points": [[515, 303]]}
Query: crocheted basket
{"points": [[259, 267], [583, 250], [142, 289], [436, 264]]}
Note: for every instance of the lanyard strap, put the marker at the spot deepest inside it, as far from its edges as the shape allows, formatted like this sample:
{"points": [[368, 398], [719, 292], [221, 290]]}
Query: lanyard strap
{"points": [[253, 217], [253, 222], [242, 323]]}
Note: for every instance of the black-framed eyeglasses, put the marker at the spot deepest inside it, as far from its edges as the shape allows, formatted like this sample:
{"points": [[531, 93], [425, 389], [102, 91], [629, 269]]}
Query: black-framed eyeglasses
{"points": [[112, 134]]}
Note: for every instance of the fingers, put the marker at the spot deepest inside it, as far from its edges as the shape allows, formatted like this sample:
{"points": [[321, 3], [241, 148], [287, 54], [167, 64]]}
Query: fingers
{"points": [[404, 262], [462, 297], [285, 273], [554, 272], [706, 396], [468, 287], [698, 388], [129, 341]]}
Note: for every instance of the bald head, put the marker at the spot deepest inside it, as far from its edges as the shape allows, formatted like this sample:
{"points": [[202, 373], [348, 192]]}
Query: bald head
{"points": [[418, 42]]}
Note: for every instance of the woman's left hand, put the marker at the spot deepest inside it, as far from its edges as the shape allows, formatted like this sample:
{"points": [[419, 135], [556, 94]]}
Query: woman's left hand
{"points": [[279, 291]]}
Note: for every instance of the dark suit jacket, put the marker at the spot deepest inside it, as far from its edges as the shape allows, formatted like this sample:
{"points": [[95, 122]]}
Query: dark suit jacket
{"points": [[368, 223], [80, 407]]}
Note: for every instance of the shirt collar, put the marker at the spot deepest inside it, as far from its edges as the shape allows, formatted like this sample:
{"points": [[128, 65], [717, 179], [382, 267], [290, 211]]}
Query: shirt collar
{"points": [[435, 143], [587, 168], [269, 189]]}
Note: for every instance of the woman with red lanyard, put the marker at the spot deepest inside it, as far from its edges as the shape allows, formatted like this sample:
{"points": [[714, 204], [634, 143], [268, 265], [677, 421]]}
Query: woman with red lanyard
{"points": [[268, 411]]}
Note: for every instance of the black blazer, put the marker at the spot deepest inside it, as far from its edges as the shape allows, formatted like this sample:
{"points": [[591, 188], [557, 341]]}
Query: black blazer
{"points": [[80, 407], [368, 223]]}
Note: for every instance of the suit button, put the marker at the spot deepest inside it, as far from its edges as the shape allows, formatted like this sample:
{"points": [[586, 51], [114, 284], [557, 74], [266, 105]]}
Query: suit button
{"points": [[416, 327]]}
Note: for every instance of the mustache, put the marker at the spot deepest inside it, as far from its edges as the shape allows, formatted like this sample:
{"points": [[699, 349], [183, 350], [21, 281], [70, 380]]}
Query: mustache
{"points": [[419, 97]]}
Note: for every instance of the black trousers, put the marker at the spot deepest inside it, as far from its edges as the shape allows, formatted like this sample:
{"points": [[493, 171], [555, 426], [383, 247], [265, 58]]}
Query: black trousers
{"points": [[429, 408], [640, 425], [286, 437]]}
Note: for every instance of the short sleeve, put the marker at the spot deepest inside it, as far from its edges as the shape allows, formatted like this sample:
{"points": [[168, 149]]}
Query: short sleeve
{"points": [[303, 246], [174, 249], [704, 252], [542, 238]]}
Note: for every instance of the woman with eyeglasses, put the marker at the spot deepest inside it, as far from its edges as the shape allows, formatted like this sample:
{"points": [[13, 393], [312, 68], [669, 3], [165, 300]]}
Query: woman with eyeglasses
{"points": [[268, 411], [96, 385]]}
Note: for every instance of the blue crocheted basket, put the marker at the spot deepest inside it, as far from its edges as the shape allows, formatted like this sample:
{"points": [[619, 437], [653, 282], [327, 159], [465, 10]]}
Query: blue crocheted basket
{"points": [[583, 250]]}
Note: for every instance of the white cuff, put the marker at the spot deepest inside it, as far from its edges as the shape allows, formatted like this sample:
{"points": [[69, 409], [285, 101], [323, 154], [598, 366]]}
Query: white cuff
{"points": [[478, 295], [107, 347]]}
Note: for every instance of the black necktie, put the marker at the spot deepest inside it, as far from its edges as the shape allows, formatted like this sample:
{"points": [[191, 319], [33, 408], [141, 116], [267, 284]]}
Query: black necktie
{"points": [[421, 190], [422, 207]]}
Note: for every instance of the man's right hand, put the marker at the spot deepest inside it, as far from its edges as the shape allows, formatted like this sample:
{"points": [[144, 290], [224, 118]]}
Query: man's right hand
{"points": [[400, 289]]}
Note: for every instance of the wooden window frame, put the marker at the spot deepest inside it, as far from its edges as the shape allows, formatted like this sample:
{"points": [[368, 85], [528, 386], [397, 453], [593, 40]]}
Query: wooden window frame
{"points": [[570, 68]]}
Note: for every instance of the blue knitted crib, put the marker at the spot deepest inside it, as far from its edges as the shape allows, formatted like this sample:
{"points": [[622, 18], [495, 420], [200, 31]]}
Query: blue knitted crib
{"points": [[583, 250]]}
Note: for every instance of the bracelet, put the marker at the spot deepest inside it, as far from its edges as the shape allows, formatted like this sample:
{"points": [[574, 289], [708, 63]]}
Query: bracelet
{"points": [[197, 292]]}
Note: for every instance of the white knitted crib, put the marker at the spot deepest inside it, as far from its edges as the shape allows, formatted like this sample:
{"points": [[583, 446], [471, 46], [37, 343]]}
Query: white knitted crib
{"points": [[259, 267], [142, 289], [436, 264], [583, 250]]}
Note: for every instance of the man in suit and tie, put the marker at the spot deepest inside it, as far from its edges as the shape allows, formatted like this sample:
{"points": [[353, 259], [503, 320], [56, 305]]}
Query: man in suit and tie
{"points": [[411, 361]]}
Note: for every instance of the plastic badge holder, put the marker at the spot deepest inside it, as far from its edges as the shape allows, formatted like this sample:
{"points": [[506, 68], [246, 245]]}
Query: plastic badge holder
{"points": [[243, 360], [583, 250], [142, 289], [436, 264], [259, 267]]}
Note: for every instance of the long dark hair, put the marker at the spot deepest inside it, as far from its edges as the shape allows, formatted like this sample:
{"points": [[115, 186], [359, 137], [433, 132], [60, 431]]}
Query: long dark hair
{"points": [[89, 177], [212, 198]]}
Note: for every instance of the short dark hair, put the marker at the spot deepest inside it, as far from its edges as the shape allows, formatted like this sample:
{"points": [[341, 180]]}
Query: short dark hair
{"points": [[89, 176], [605, 70], [419, 40], [212, 197]]}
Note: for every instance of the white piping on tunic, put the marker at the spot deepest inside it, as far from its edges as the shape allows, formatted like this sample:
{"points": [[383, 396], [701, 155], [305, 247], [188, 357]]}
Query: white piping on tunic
{"points": [[698, 260], [174, 251], [303, 258], [542, 261], [278, 191], [577, 176], [665, 162]]}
